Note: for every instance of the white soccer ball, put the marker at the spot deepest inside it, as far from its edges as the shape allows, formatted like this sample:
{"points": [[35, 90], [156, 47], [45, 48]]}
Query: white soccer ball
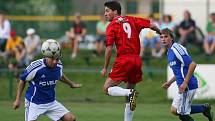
{"points": [[51, 49]]}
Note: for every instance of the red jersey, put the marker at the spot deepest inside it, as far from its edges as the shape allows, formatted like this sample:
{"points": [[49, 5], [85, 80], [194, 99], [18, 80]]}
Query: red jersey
{"points": [[124, 32]]}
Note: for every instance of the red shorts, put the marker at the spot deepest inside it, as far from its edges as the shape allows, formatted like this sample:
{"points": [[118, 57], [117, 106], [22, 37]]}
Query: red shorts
{"points": [[127, 68]]}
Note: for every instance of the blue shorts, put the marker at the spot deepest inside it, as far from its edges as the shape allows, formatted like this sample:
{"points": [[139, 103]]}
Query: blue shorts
{"points": [[210, 38], [101, 38]]}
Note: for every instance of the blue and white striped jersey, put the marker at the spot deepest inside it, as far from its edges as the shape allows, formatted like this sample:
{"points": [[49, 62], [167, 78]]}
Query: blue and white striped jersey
{"points": [[42, 80], [179, 61]]}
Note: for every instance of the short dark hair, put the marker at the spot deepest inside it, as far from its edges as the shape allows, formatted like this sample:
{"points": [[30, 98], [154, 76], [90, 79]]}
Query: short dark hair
{"points": [[113, 5], [168, 32]]}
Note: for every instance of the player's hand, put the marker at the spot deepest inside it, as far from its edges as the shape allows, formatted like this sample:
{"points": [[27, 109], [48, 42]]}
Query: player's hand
{"points": [[16, 104], [103, 72], [166, 85], [182, 88], [76, 86]]}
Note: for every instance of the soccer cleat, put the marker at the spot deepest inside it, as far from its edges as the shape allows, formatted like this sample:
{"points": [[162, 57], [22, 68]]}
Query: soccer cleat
{"points": [[132, 99], [207, 112], [185, 118]]}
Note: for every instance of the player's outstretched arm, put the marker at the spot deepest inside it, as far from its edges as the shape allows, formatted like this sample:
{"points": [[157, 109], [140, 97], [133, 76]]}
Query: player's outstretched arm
{"points": [[17, 102], [72, 84], [167, 84], [155, 28]]}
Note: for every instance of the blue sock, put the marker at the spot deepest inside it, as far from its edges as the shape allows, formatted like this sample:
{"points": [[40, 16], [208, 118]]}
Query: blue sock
{"points": [[197, 109]]}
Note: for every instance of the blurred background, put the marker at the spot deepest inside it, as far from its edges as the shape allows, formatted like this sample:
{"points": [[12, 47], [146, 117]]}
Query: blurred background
{"points": [[51, 17], [25, 24]]}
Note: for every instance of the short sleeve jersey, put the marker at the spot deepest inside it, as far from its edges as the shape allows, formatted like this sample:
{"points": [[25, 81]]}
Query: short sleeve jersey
{"points": [[210, 27], [179, 61], [187, 24], [12, 43], [102, 26], [42, 81], [124, 31], [78, 28]]}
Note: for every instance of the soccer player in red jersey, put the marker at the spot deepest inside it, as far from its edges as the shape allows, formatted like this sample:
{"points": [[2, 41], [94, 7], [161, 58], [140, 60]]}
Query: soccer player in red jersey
{"points": [[123, 31]]}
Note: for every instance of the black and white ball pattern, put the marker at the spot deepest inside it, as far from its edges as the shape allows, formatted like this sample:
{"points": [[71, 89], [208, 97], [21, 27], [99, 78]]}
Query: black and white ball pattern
{"points": [[50, 48]]}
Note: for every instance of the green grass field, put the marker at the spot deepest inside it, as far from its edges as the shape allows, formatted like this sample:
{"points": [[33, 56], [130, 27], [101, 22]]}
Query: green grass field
{"points": [[90, 104], [102, 112]]}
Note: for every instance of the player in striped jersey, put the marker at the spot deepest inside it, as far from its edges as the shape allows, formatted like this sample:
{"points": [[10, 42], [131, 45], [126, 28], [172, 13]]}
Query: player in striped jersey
{"points": [[42, 76], [183, 67]]}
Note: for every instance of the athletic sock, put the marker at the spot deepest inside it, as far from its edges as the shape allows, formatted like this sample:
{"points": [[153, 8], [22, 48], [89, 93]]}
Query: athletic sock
{"points": [[197, 109], [118, 91], [128, 114]]}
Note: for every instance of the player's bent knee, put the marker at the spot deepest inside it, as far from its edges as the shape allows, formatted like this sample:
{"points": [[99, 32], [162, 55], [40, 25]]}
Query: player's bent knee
{"points": [[173, 111], [105, 90], [69, 117]]}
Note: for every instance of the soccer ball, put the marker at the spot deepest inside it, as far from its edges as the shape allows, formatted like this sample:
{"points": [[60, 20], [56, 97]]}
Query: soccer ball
{"points": [[51, 49]]}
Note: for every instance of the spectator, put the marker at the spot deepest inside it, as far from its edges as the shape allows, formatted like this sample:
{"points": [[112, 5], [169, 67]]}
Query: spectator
{"points": [[187, 29], [12, 42], [149, 39], [100, 30], [76, 34], [4, 31], [11, 46], [209, 41], [19, 60], [33, 44], [154, 20], [167, 23]]}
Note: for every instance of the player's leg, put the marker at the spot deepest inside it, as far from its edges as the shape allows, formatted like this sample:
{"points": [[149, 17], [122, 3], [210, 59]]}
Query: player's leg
{"points": [[57, 111], [185, 118], [101, 46], [97, 45], [181, 105], [205, 109], [174, 111], [207, 112], [33, 111], [128, 114], [75, 48], [212, 45], [134, 77], [206, 45], [110, 88], [119, 73], [72, 42], [68, 117], [181, 117]]}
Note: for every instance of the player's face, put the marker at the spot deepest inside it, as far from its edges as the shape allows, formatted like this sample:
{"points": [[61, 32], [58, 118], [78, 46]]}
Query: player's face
{"points": [[166, 40], [109, 14], [52, 62]]}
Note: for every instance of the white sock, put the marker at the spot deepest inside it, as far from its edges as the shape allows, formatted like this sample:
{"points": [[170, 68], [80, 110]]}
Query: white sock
{"points": [[118, 91], [128, 114]]}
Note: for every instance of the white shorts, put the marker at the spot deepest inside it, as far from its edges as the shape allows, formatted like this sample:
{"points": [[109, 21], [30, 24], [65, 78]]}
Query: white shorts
{"points": [[182, 102], [53, 110]]}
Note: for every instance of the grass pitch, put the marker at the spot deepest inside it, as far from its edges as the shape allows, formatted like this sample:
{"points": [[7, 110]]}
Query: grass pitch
{"points": [[101, 112]]}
